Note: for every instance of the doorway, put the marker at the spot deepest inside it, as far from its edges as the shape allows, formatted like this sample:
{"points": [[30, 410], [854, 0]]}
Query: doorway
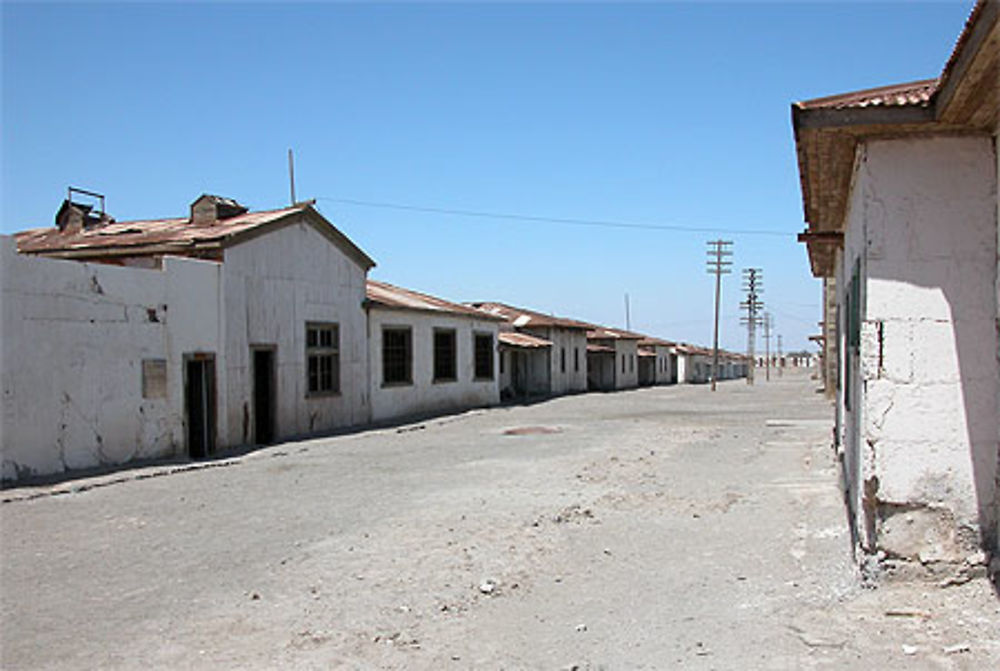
{"points": [[199, 404], [263, 394]]}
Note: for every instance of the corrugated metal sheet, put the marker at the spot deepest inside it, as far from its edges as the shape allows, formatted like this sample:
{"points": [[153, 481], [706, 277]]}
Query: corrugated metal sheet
{"points": [[144, 233], [522, 317], [600, 349], [383, 294], [897, 95], [603, 333], [522, 340]]}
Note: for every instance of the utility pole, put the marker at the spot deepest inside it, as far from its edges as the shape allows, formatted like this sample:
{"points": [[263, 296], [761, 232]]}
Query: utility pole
{"points": [[767, 345], [628, 317], [781, 362], [752, 281], [291, 176], [718, 250]]}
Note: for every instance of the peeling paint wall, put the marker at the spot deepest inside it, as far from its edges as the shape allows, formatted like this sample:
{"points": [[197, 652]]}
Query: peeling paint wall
{"points": [[423, 395], [273, 285], [75, 336], [919, 387]]}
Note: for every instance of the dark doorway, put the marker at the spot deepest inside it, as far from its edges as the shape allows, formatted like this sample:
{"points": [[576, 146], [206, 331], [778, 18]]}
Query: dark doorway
{"points": [[263, 395], [199, 404]]}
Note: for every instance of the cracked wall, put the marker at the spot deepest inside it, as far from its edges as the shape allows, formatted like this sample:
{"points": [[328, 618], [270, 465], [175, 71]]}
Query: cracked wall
{"points": [[921, 431], [74, 339]]}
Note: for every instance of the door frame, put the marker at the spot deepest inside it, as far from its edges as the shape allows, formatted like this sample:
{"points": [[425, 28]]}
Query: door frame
{"points": [[273, 384], [207, 359]]}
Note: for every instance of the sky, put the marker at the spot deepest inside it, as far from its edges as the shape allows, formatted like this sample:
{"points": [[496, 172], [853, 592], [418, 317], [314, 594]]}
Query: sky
{"points": [[410, 123]]}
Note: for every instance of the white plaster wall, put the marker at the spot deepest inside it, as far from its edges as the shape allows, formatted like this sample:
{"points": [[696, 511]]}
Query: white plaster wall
{"points": [[630, 350], [573, 380], [663, 371], [73, 339], [273, 285], [424, 396], [683, 368], [922, 219]]}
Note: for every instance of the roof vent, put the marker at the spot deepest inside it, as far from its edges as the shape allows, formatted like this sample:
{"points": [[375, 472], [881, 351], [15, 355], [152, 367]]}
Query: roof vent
{"points": [[75, 216], [208, 210]]}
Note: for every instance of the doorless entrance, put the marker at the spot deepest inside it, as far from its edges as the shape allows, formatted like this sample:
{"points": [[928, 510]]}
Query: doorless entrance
{"points": [[263, 395], [199, 404]]}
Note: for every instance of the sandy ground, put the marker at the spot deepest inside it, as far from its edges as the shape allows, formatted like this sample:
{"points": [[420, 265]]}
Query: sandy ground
{"points": [[649, 529]]}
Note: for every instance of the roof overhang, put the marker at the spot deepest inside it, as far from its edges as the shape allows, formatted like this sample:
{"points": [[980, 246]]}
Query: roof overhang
{"points": [[963, 100]]}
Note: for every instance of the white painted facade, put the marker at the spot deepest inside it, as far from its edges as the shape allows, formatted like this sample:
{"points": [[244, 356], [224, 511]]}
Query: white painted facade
{"points": [[918, 379], [74, 339], [567, 358], [422, 395], [274, 285]]}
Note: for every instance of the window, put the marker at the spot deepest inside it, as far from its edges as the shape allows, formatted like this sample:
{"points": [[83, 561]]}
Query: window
{"points": [[483, 347], [576, 359], [562, 359], [397, 355], [623, 363], [322, 358], [444, 355]]}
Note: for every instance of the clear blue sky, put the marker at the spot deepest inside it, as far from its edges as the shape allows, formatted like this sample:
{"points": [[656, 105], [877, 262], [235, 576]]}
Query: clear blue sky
{"points": [[662, 113]]}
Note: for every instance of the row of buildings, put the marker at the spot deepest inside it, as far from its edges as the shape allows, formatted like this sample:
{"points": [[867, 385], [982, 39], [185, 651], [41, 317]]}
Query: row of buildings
{"points": [[899, 187], [137, 340]]}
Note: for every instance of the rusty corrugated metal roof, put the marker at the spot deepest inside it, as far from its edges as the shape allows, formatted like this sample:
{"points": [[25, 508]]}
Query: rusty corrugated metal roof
{"points": [[600, 349], [144, 233], [896, 95], [385, 295], [177, 236], [603, 333], [522, 340], [522, 317]]}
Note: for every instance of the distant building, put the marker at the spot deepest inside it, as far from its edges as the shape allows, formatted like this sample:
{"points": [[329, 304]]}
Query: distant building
{"points": [[899, 188], [612, 359], [540, 355]]}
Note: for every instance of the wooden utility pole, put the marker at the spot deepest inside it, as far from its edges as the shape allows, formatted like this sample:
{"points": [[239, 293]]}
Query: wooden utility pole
{"points": [[767, 345], [628, 317], [291, 176], [752, 281], [717, 264]]}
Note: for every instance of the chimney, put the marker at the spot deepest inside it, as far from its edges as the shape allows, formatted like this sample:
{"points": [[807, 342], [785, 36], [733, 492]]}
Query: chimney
{"points": [[74, 217], [208, 210]]}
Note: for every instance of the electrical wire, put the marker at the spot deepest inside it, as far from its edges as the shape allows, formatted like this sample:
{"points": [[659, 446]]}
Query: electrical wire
{"points": [[552, 220]]}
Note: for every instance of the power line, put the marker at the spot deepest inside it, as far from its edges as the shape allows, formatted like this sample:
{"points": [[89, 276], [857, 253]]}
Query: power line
{"points": [[551, 220]]}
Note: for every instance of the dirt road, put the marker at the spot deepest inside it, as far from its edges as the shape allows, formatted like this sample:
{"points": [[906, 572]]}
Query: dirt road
{"points": [[657, 528]]}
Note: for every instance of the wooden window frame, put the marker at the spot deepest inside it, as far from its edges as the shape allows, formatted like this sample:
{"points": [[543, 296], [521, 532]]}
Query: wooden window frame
{"points": [[405, 380], [476, 370], [442, 372], [322, 358]]}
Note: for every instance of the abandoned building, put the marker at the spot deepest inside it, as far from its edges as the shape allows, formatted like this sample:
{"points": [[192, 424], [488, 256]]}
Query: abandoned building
{"points": [[612, 359], [540, 355], [172, 338], [899, 188], [428, 355], [138, 352]]}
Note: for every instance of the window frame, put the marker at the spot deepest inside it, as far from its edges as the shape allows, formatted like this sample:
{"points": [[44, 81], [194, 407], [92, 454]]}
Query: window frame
{"points": [[319, 352], [476, 336], [453, 334], [407, 380]]}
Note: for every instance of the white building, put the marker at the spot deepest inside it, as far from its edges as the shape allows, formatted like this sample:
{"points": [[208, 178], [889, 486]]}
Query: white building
{"points": [[428, 355], [900, 195], [657, 361], [612, 359], [532, 367], [140, 354]]}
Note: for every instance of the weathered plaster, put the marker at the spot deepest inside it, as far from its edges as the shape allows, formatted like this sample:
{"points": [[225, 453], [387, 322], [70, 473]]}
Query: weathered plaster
{"points": [[921, 426]]}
